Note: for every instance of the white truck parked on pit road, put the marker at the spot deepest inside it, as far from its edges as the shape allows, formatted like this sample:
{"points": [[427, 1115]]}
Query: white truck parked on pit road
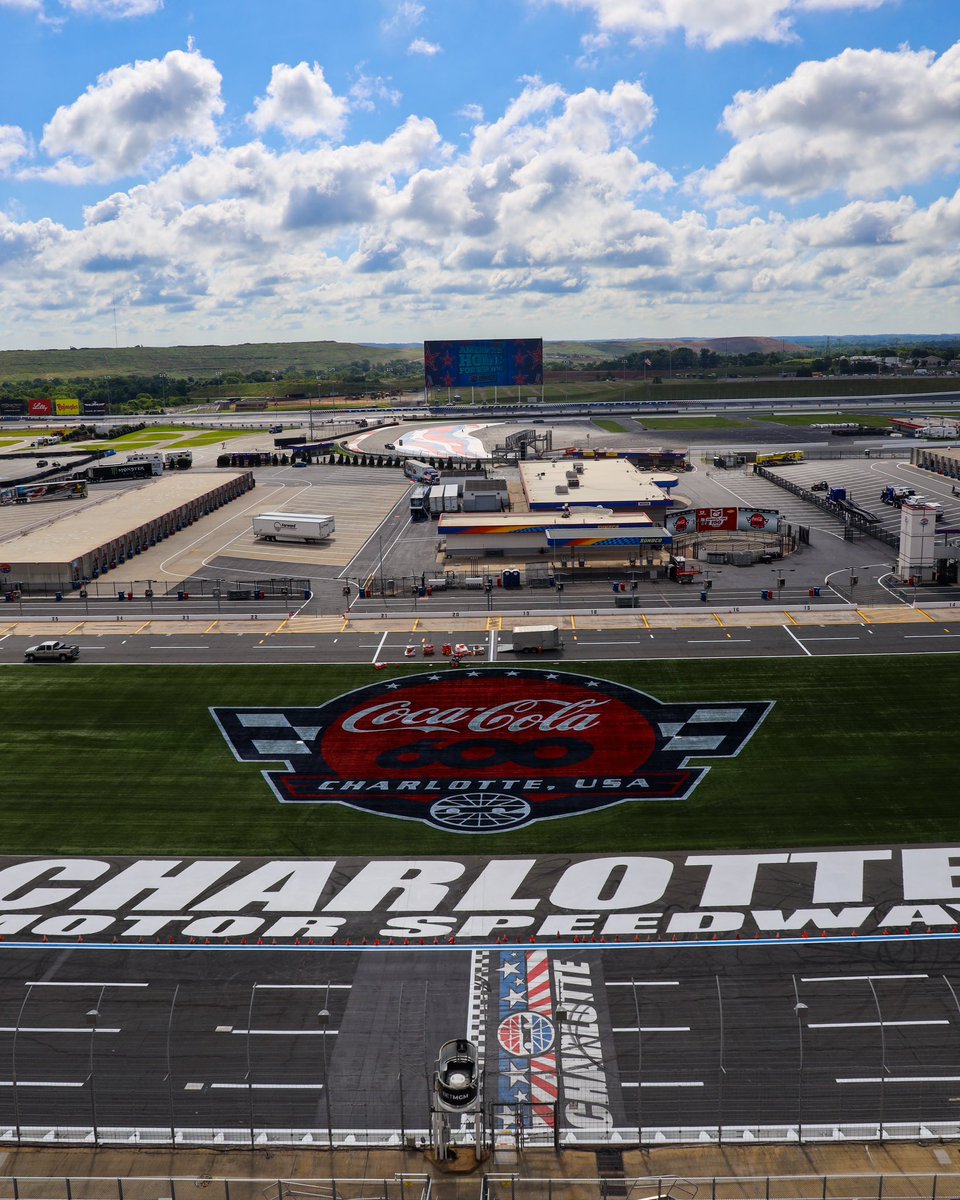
{"points": [[293, 527], [535, 639]]}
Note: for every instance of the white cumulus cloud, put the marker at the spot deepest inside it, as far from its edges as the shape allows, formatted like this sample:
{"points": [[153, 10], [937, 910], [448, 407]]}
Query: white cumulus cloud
{"points": [[300, 103], [134, 114], [13, 145], [864, 122], [711, 23], [422, 46], [113, 8]]}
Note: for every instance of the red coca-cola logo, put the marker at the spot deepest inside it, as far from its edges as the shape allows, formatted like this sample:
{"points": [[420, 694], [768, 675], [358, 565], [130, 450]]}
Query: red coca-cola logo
{"points": [[681, 524], [499, 724], [758, 521], [484, 751]]}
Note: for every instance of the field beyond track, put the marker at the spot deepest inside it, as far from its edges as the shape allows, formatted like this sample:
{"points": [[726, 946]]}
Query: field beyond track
{"points": [[109, 760]]}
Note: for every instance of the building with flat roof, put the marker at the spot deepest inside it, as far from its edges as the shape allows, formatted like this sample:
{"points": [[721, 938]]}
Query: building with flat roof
{"points": [[612, 483], [577, 536], [82, 545]]}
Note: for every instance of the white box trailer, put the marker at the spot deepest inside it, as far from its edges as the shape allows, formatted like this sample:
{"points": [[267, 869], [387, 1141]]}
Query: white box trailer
{"points": [[293, 527], [451, 497], [437, 499], [535, 639]]}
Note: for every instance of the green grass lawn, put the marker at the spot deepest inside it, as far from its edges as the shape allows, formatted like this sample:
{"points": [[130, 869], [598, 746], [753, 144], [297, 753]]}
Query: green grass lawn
{"points": [[692, 422], [609, 425], [128, 760], [878, 420]]}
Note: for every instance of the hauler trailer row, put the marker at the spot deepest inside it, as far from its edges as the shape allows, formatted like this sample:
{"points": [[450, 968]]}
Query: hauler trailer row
{"points": [[61, 489], [293, 527]]}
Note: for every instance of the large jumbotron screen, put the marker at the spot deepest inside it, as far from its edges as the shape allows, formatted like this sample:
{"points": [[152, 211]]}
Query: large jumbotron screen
{"points": [[504, 362]]}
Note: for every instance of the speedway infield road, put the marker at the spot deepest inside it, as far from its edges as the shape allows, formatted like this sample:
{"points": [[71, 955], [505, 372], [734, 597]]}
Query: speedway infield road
{"points": [[804, 631]]}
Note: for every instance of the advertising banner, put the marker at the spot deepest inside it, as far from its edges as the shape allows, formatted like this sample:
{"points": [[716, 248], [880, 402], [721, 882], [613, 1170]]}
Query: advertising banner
{"points": [[759, 520], [501, 363], [40, 408], [708, 520], [716, 518], [67, 407]]}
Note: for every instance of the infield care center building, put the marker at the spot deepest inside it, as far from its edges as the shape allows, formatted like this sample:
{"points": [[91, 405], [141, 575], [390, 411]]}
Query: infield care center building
{"points": [[85, 544]]}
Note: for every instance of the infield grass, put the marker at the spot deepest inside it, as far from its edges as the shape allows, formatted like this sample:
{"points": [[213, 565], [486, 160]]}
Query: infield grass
{"points": [[128, 760]]}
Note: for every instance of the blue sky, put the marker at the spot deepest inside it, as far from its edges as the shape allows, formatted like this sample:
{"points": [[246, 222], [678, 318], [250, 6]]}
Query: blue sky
{"points": [[396, 170]]}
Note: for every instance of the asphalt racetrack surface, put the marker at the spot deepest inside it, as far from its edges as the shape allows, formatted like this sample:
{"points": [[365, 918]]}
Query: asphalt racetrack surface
{"points": [[227, 1043]]}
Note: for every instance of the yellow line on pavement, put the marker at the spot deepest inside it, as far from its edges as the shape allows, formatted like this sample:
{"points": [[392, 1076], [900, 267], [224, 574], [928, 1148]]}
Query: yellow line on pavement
{"points": [[141, 628], [862, 617], [927, 615], [643, 618], [76, 628], [716, 617], [346, 625], [210, 628], [415, 624], [792, 620]]}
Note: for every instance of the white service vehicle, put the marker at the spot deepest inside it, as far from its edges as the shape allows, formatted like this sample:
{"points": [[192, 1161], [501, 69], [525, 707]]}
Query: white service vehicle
{"points": [[293, 527], [51, 652], [155, 461]]}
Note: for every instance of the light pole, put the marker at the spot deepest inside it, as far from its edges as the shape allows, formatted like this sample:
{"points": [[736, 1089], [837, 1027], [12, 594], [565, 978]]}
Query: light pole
{"points": [[93, 1015], [323, 1019], [173, 1121], [798, 1008], [13, 1061]]}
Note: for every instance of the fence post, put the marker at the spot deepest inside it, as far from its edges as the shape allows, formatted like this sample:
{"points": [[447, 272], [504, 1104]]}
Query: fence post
{"points": [[69, 1189], [880, 1189], [933, 1194], [823, 1188], [279, 1189], [120, 1187]]}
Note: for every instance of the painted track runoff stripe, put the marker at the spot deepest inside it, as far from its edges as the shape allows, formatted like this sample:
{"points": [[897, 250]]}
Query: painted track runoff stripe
{"points": [[674, 1083], [872, 1024], [786, 629], [856, 978]]}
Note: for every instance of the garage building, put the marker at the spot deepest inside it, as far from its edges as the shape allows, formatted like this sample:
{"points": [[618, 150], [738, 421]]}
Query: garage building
{"points": [[81, 546], [612, 483], [578, 536]]}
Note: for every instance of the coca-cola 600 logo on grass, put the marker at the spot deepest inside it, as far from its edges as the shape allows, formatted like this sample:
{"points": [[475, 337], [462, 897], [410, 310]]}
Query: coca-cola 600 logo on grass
{"points": [[488, 751]]}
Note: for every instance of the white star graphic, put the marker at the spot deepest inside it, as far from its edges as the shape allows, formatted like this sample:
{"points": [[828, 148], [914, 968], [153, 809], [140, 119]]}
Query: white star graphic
{"points": [[434, 678], [473, 674], [551, 676], [516, 1075], [514, 997], [509, 968], [392, 687], [593, 683], [511, 674], [520, 1094]]}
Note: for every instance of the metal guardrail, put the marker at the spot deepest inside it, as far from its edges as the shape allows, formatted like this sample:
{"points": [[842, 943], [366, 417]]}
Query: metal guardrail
{"points": [[179, 1187], [741, 1187]]}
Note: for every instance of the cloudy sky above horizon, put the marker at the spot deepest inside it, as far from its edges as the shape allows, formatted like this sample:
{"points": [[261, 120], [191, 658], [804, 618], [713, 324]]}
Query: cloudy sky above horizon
{"points": [[230, 171]]}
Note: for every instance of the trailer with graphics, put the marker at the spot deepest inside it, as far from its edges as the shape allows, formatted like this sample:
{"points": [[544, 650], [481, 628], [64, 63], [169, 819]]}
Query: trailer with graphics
{"points": [[105, 472], [420, 473], [61, 489], [293, 527]]}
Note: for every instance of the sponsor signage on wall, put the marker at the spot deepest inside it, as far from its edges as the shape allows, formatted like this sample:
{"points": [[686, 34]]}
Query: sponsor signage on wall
{"points": [[707, 520], [67, 407], [40, 408]]}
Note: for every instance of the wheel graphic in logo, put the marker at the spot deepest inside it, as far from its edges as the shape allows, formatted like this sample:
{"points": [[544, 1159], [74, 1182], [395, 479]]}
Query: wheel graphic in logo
{"points": [[526, 1033], [480, 812]]}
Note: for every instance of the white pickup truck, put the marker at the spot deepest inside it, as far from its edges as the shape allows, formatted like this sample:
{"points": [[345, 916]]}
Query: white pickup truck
{"points": [[51, 652]]}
